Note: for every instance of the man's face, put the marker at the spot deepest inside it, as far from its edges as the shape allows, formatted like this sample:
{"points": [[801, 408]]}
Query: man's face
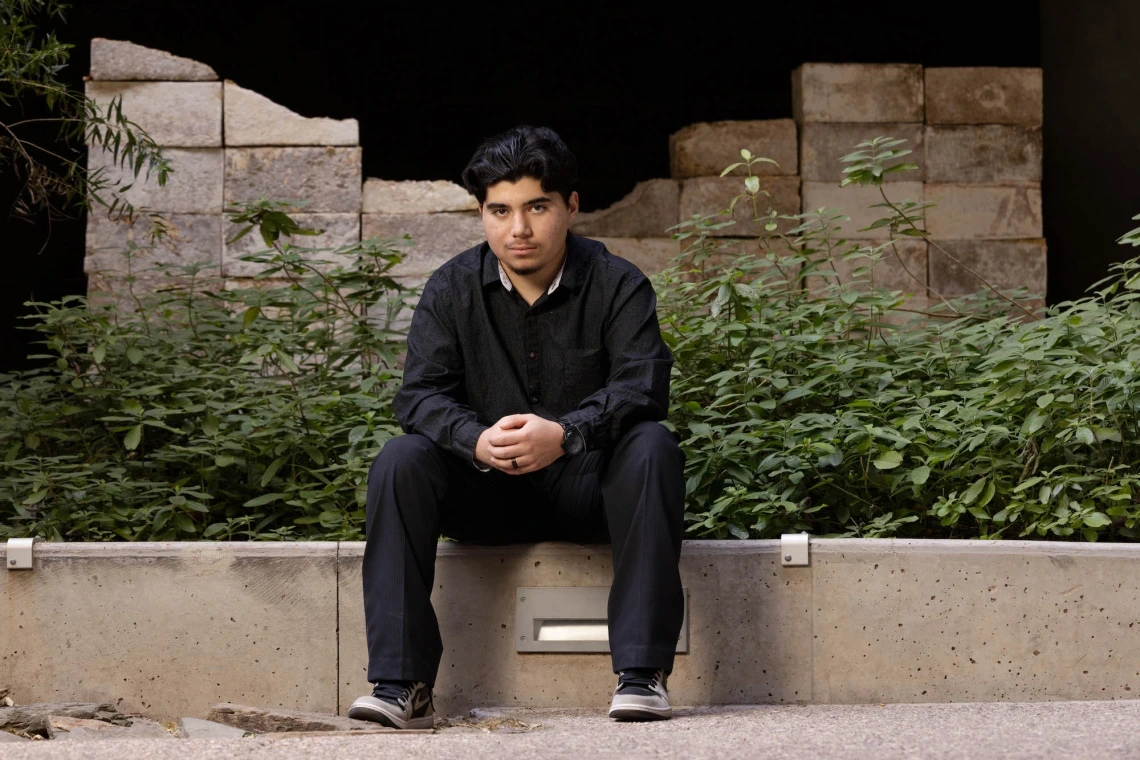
{"points": [[525, 225]]}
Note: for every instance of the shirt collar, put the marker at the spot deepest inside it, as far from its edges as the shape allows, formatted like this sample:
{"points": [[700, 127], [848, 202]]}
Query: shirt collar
{"points": [[510, 286], [568, 276]]}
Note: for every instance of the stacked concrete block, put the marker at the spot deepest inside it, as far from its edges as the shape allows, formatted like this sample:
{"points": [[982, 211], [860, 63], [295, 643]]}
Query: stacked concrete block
{"points": [[636, 227], [983, 156]]}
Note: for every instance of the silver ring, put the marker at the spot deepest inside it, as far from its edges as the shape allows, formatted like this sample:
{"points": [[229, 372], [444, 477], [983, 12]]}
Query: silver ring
{"points": [[514, 463]]}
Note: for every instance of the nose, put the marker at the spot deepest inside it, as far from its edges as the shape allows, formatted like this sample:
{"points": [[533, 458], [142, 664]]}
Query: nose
{"points": [[520, 226]]}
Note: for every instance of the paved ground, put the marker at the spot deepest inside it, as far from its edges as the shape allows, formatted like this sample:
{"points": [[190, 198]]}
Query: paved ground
{"points": [[817, 732]]}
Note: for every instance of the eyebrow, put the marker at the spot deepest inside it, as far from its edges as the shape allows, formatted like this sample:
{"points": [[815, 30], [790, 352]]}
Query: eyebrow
{"points": [[531, 202]]}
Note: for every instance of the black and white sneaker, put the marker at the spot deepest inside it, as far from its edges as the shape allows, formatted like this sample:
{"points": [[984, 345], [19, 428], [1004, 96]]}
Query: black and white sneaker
{"points": [[641, 694], [397, 704]]}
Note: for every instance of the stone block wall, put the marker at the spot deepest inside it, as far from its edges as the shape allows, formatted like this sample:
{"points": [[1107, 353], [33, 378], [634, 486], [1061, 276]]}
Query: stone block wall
{"points": [[975, 132]]}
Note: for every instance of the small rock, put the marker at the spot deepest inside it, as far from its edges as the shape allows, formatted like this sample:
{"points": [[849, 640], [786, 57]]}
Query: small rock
{"points": [[271, 721], [33, 718], [8, 736], [63, 728], [8, 702], [196, 728]]}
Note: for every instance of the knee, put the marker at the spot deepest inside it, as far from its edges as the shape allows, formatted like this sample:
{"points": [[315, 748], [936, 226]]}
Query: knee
{"points": [[654, 441], [402, 454]]}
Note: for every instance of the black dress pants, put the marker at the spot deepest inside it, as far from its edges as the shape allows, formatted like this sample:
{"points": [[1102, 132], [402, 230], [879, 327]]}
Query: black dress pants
{"points": [[630, 494]]}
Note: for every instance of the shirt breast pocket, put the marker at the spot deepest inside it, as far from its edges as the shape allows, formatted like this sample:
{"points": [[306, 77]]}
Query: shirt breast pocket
{"points": [[584, 371]]}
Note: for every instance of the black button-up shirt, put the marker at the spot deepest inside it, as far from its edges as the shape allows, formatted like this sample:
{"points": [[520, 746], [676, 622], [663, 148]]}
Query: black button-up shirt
{"points": [[589, 352]]}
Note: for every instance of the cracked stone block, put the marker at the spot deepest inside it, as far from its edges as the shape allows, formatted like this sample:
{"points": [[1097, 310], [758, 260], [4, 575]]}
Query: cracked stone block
{"points": [[435, 237], [195, 238], [982, 211], [174, 114], [708, 148], [34, 717], [856, 201], [984, 95], [730, 251], [194, 187], [64, 728], [196, 728], [268, 721], [338, 230], [9, 737], [864, 92], [899, 267], [119, 60], [1005, 264], [253, 119], [328, 177], [822, 145], [385, 196], [650, 255], [987, 153], [649, 210], [710, 195]]}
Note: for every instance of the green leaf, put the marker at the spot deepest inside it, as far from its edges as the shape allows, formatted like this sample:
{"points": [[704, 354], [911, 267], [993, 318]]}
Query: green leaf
{"points": [[249, 316], [888, 460], [32, 441], [210, 425], [973, 491], [752, 184], [213, 530], [134, 435], [1045, 400], [134, 355], [271, 470], [920, 475], [266, 498], [184, 523], [1097, 520]]}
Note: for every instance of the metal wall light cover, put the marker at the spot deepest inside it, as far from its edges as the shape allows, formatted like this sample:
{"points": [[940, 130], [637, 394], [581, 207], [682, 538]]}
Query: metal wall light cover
{"points": [[570, 619]]}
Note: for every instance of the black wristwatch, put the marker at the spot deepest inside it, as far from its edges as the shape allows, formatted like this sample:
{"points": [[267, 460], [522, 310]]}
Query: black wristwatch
{"points": [[572, 441]]}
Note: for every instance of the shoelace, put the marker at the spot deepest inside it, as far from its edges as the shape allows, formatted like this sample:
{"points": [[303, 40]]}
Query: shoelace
{"points": [[398, 691], [644, 677]]}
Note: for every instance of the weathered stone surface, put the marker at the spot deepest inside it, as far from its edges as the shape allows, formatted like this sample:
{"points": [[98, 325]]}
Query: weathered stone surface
{"points": [[726, 252], [846, 92], [174, 114], [984, 211], [435, 237], [253, 119], [650, 255], [7, 737], [855, 201], [63, 728], [195, 238], [710, 195], [984, 95], [196, 728], [902, 266], [708, 148], [989, 153], [194, 187], [328, 178], [119, 60], [649, 210], [34, 717], [267, 721], [339, 230], [385, 196], [822, 145], [1005, 264]]}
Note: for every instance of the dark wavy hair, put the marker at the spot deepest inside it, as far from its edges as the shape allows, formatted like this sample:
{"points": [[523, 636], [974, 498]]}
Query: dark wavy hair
{"points": [[523, 151]]}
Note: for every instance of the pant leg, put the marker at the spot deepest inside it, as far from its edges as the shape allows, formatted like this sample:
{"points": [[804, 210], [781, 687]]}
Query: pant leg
{"points": [[417, 490], [639, 483]]}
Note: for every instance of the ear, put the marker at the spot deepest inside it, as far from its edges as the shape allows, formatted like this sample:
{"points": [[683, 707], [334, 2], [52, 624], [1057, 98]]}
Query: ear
{"points": [[572, 205]]}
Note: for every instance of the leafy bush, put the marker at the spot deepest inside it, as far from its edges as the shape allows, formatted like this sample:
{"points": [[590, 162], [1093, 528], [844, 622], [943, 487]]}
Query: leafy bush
{"points": [[805, 400]]}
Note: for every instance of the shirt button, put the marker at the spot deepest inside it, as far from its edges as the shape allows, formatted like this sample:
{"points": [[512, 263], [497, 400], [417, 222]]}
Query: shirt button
{"points": [[534, 399], [533, 354]]}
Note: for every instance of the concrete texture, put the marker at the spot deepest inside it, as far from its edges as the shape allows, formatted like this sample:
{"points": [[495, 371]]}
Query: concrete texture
{"points": [[728, 252], [748, 619], [990, 211], [706, 149], [328, 178], [339, 230], [194, 187], [987, 153], [119, 60], [984, 95], [169, 629], [710, 195], [435, 238], [194, 238], [856, 202], [822, 145], [385, 196], [253, 119], [1052, 731], [864, 92], [922, 621], [174, 114], [1004, 264], [648, 210], [890, 271], [650, 255]]}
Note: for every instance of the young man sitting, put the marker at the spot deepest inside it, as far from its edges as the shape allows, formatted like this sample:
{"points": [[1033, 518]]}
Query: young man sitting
{"points": [[533, 387]]}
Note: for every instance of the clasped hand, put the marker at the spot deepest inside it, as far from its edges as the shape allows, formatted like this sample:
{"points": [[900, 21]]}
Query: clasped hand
{"points": [[533, 441]]}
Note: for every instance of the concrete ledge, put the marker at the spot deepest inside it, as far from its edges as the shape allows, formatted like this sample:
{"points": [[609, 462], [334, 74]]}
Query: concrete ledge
{"points": [[169, 629]]}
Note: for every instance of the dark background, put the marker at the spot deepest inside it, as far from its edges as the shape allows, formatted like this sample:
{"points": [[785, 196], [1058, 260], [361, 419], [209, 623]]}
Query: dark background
{"points": [[428, 82]]}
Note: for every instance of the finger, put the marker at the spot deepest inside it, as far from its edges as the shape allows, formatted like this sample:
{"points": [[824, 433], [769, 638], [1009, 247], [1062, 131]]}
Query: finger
{"points": [[512, 421], [507, 439], [506, 452]]}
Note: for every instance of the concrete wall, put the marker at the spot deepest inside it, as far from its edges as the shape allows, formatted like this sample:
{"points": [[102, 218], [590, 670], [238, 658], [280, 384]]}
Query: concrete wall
{"points": [[976, 132], [169, 629]]}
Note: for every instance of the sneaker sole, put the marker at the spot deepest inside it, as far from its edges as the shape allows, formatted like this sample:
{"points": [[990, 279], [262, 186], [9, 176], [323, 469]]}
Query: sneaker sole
{"points": [[630, 712], [369, 712]]}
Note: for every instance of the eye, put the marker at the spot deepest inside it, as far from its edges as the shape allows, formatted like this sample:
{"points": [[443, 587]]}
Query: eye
{"points": [[540, 207], [499, 212]]}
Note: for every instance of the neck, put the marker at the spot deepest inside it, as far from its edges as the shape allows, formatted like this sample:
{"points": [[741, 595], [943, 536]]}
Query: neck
{"points": [[531, 286]]}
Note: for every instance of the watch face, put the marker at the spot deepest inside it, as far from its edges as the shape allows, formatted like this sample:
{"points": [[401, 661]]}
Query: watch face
{"points": [[572, 441]]}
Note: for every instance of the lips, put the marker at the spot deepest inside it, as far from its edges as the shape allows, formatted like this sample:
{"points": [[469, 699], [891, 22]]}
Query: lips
{"points": [[522, 251]]}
